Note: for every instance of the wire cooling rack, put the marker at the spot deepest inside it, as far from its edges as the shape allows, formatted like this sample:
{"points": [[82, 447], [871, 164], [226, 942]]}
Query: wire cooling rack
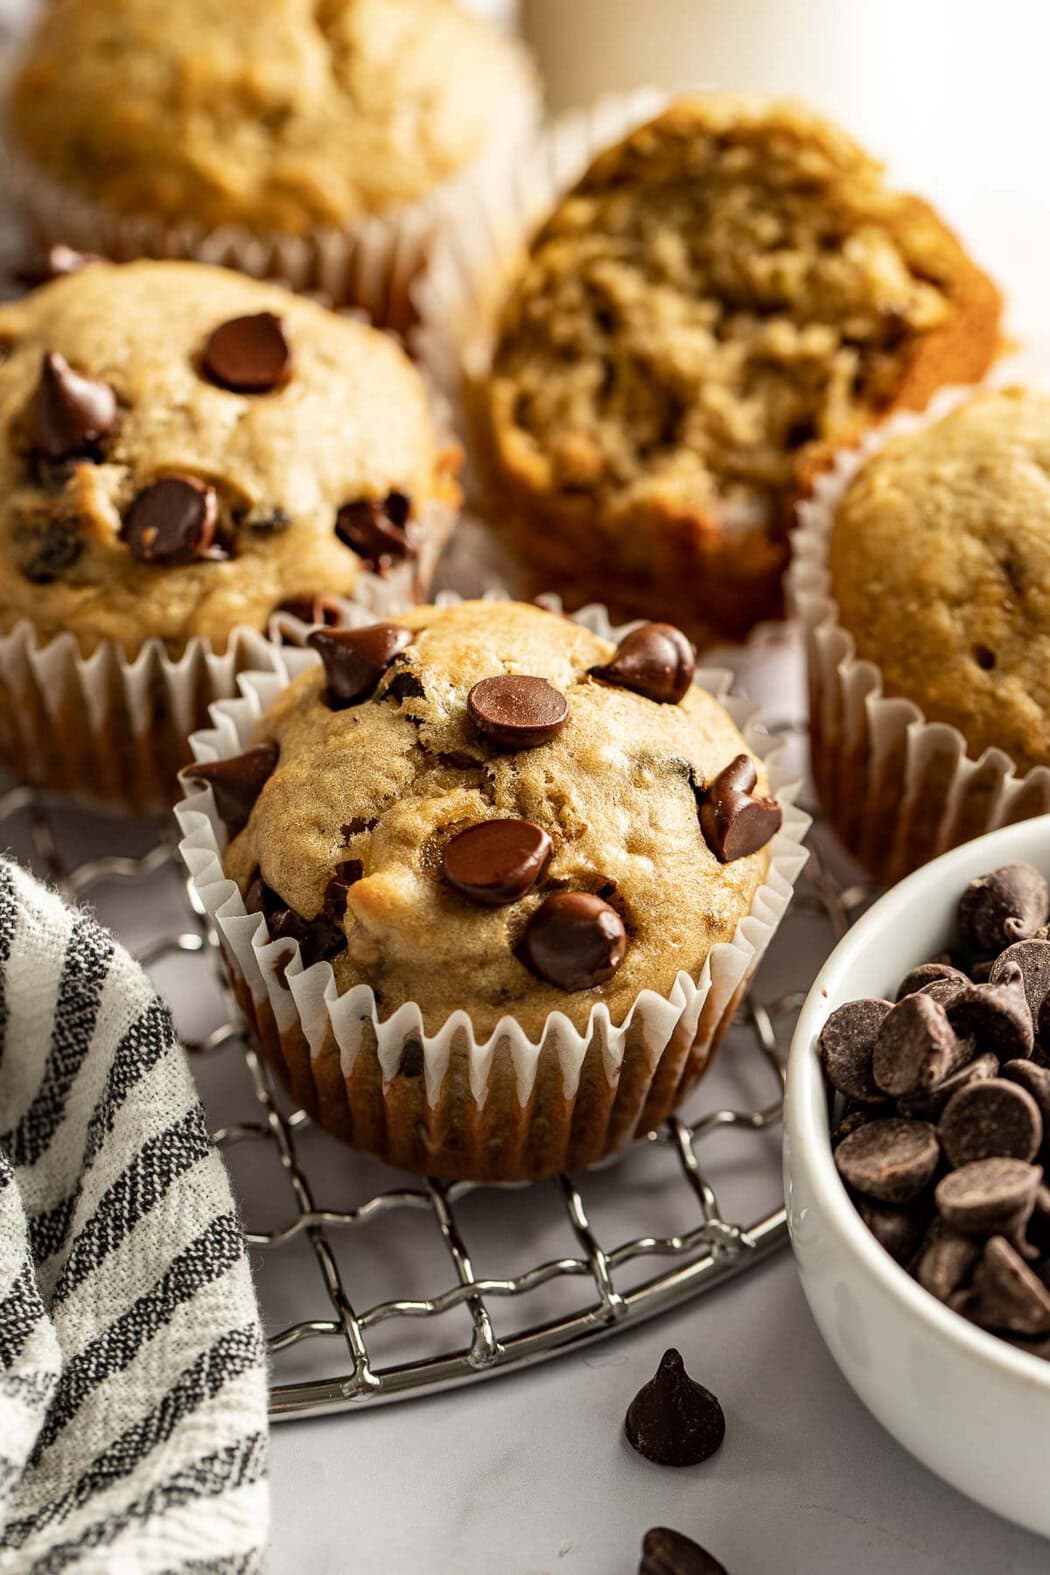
{"points": [[375, 1286]]}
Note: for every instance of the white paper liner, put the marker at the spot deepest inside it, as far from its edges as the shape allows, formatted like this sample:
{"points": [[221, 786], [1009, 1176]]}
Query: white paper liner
{"points": [[308, 997], [898, 788]]}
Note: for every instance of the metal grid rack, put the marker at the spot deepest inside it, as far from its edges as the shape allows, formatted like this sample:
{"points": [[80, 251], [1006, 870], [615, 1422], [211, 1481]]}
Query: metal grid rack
{"points": [[708, 1249]]}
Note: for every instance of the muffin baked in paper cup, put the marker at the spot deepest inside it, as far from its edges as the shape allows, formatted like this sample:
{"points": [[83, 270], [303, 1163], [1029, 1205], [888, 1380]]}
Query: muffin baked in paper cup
{"points": [[508, 1108], [370, 262], [114, 730], [897, 788]]}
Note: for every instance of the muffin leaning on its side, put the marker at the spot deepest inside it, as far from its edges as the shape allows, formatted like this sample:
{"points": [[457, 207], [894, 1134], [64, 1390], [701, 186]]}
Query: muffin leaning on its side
{"points": [[519, 849], [184, 452], [922, 575], [721, 299]]}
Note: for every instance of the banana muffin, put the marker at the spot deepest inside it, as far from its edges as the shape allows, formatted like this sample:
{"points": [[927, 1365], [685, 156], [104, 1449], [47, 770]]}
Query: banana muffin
{"points": [[720, 300], [279, 116], [183, 453], [485, 809]]}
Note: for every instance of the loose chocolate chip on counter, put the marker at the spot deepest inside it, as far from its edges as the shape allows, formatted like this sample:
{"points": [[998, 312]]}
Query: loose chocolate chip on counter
{"points": [[173, 521], [931, 973], [991, 1119], [927, 1106], [69, 414], [900, 1231], [1033, 959], [916, 1047], [946, 1261], [892, 1161], [845, 1047], [667, 1552], [574, 940], [248, 355], [496, 861], [735, 823], [1008, 905], [995, 1015], [516, 711], [235, 782], [672, 1420], [990, 1195], [1006, 1294], [656, 661], [379, 531], [355, 660]]}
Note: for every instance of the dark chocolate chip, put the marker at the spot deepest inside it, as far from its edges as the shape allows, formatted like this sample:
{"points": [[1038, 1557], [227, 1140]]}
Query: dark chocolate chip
{"points": [[916, 1047], [235, 782], [1033, 959], [1036, 1079], [845, 1047], [319, 939], [946, 1260], [1006, 1294], [496, 861], [47, 542], [173, 521], [1008, 905], [248, 355], [404, 686], [516, 711], [900, 1231], [355, 659], [655, 661], [667, 1552], [928, 974], [987, 1196], [857, 1116], [995, 1015], [574, 940], [378, 531], [891, 1160], [928, 1106], [672, 1420], [69, 414], [991, 1119], [735, 823], [347, 874]]}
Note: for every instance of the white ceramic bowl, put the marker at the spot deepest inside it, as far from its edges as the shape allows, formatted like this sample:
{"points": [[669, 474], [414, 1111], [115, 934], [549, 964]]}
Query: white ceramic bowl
{"points": [[965, 1403]]}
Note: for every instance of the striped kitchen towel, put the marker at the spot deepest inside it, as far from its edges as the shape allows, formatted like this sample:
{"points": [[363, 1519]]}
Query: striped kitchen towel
{"points": [[132, 1377]]}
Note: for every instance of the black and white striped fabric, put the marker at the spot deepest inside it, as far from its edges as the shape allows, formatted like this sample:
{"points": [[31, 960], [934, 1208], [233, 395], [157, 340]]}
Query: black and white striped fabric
{"points": [[132, 1377]]}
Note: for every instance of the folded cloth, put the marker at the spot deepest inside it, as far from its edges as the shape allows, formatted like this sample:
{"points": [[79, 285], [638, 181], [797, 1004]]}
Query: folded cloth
{"points": [[132, 1373]]}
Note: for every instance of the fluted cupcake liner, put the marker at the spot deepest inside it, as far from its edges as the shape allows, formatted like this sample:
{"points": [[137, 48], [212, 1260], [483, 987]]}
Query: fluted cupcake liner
{"points": [[510, 1107], [898, 788]]}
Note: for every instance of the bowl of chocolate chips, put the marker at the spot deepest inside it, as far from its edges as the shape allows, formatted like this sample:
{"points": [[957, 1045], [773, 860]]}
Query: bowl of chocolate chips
{"points": [[917, 1164]]}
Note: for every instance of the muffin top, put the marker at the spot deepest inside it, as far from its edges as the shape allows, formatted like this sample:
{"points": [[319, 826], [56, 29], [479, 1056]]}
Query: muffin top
{"points": [[940, 564], [183, 450], [458, 810], [275, 114], [724, 296]]}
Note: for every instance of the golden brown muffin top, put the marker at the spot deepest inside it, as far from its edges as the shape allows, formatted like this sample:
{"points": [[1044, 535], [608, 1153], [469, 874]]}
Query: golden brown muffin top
{"points": [[940, 564], [302, 443], [275, 114], [352, 828], [722, 297]]}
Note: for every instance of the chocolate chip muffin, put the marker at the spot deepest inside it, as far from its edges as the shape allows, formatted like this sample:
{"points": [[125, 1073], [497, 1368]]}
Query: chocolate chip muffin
{"points": [[516, 846], [183, 452], [722, 298]]}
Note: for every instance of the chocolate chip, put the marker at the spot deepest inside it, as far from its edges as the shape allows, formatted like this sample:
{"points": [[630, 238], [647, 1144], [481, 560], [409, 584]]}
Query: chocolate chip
{"points": [[378, 531], [574, 940], [319, 939], [516, 711], [734, 822], [655, 661], [915, 1047], [995, 1015], [988, 1195], [172, 521], [900, 1231], [1008, 905], [235, 782], [1035, 1079], [404, 686], [1006, 1294], [69, 414], [1033, 959], [496, 861], [891, 1160], [931, 973], [993, 1118], [845, 1047], [672, 1420], [857, 1116], [666, 1552], [355, 659], [320, 609], [946, 1260], [248, 355], [47, 542], [347, 874], [927, 1106]]}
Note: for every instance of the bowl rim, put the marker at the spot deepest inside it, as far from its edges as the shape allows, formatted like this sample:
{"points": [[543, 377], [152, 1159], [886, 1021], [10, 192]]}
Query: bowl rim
{"points": [[808, 1130]]}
